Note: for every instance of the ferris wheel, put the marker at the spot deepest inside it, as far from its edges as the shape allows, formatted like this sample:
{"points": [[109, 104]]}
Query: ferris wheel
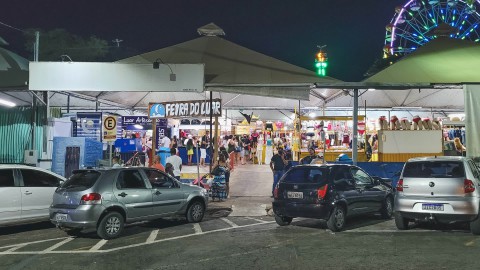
{"points": [[419, 21]]}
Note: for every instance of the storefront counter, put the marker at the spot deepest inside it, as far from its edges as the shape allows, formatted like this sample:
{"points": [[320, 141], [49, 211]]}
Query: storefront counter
{"points": [[332, 155], [182, 150]]}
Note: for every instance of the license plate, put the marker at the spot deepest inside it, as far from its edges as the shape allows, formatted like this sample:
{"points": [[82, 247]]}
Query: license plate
{"points": [[295, 195], [432, 207], [61, 217]]}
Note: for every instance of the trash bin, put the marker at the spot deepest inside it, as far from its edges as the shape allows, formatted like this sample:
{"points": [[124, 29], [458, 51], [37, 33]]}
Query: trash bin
{"points": [[163, 153]]}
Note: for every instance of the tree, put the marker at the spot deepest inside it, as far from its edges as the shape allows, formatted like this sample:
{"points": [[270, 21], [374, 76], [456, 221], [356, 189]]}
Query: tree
{"points": [[58, 42]]}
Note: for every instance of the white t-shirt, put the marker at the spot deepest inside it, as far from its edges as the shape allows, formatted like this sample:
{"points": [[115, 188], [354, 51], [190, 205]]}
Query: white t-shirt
{"points": [[176, 161], [166, 142]]}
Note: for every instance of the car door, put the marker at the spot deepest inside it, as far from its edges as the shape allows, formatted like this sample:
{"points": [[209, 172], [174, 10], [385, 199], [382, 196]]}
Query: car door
{"points": [[346, 189], [10, 196], [167, 195], [37, 189], [371, 195], [131, 190]]}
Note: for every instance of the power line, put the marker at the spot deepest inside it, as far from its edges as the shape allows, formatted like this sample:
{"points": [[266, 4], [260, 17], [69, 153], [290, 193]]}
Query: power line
{"points": [[9, 26]]}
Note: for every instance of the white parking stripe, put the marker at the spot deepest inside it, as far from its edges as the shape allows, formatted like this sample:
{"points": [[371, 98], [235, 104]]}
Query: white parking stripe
{"points": [[15, 248], [34, 242], [57, 245], [257, 220], [229, 222], [98, 245], [133, 245], [197, 228], [152, 237]]}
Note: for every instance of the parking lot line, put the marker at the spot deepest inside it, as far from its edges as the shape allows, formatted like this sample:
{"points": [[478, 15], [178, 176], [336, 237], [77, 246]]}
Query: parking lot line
{"points": [[197, 228], [229, 222], [152, 236], [257, 220], [15, 248], [57, 245], [98, 245], [34, 242]]}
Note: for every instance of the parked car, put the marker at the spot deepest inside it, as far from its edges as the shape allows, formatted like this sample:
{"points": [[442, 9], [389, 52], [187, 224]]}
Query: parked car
{"points": [[438, 189], [330, 192], [104, 200], [26, 193]]}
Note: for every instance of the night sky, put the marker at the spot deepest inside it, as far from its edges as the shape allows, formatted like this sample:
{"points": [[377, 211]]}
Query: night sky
{"points": [[288, 30]]}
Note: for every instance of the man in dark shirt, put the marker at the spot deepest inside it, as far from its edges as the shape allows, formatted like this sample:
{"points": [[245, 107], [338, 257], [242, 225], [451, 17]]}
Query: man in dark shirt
{"points": [[246, 147], [203, 147], [308, 159], [277, 164]]}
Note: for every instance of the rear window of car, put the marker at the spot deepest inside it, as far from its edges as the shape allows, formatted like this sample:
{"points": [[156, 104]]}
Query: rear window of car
{"points": [[306, 175], [81, 180], [434, 169]]}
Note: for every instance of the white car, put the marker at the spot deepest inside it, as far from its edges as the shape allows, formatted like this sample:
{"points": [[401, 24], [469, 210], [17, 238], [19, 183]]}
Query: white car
{"points": [[26, 193]]}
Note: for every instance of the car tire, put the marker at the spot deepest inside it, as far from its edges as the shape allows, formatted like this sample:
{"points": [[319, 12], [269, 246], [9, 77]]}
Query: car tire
{"points": [[74, 232], [195, 212], [111, 226], [336, 221], [475, 226], [387, 208], [283, 221], [401, 222]]}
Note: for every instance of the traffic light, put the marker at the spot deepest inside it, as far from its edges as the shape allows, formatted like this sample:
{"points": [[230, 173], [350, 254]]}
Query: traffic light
{"points": [[321, 63]]}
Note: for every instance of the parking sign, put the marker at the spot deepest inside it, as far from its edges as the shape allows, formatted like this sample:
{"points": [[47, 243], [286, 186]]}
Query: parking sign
{"points": [[109, 128]]}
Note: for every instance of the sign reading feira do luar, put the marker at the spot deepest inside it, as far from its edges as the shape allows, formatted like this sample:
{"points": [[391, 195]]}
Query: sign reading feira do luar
{"points": [[196, 108]]}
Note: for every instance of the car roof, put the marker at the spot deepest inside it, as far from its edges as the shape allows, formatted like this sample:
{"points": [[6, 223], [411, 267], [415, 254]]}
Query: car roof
{"points": [[437, 158], [323, 165], [22, 166]]}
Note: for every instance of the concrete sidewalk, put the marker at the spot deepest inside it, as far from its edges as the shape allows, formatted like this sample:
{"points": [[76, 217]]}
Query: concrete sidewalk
{"points": [[250, 191]]}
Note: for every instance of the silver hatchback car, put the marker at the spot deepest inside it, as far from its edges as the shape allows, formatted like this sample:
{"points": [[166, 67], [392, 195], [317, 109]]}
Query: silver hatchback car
{"points": [[104, 200], [439, 189]]}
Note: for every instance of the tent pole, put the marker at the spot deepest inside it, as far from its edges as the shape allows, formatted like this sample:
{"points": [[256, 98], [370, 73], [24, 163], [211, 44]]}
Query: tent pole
{"points": [[209, 146], [355, 127]]}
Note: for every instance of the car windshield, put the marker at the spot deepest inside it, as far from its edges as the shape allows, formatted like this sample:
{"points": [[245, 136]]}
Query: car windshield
{"points": [[434, 169], [81, 180], [307, 175]]}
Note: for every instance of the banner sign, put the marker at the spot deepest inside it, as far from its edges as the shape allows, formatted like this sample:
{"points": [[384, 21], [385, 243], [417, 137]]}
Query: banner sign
{"points": [[180, 109], [97, 76], [88, 126], [161, 131]]}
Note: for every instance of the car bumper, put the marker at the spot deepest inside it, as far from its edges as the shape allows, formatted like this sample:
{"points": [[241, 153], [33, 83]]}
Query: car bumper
{"points": [[82, 217], [290, 209], [454, 209]]}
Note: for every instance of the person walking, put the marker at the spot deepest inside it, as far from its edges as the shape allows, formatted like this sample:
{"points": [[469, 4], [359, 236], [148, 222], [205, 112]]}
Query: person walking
{"points": [[176, 162], [231, 151], [277, 164], [203, 147], [190, 151]]}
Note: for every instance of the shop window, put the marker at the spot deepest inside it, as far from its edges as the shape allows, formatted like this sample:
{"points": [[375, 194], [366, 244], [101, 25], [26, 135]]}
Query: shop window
{"points": [[195, 122]]}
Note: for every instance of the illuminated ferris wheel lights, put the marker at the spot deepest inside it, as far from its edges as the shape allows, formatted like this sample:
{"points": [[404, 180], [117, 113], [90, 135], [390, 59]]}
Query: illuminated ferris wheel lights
{"points": [[415, 6], [452, 3]]}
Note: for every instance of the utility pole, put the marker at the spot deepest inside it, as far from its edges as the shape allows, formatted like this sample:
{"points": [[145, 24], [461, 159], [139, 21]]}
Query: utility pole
{"points": [[117, 41]]}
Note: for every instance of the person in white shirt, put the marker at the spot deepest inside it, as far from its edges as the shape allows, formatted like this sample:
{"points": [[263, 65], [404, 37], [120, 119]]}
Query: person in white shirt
{"points": [[176, 162], [165, 141]]}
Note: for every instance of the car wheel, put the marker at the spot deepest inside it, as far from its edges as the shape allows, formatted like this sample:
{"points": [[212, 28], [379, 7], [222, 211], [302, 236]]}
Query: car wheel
{"points": [[336, 221], [195, 212], [111, 226], [74, 232], [401, 222], [387, 208], [475, 226], [283, 221]]}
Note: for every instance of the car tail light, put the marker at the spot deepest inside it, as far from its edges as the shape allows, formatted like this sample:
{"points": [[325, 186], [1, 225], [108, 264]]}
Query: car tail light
{"points": [[468, 186], [321, 192], [400, 185], [91, 198], [275, 192]]}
